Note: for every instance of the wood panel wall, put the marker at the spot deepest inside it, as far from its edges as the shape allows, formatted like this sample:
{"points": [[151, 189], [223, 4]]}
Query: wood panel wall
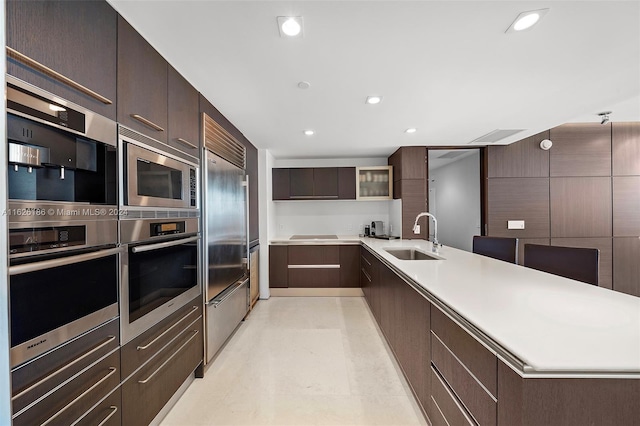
{"points": [[583, 192]]}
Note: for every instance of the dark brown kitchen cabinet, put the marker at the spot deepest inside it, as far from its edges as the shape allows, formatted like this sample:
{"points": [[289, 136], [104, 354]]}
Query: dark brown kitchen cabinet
{"points": [[350, 266], [404, 317], [369, 280], [318, 182], [142, 84], [278, 266], [346, 183], [300, 183], [54, 386], [314, 266], [467, 368], [314, 183], [280, 184], [157, 363], [410, 184], [77, 39], [251, 166], [183, 110]]}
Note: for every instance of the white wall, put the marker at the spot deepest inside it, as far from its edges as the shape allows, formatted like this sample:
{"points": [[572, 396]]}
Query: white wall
{"points": [[457, 201], [266, 217], [5, 384], [341, 217]]}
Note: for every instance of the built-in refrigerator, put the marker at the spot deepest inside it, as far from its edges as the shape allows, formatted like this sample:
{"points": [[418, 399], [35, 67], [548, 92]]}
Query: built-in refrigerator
{"points": [[225, 205]]}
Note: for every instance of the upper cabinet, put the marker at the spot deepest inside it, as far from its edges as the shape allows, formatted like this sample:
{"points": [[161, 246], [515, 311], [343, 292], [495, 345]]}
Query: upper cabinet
{"points": [[67, 48], [375, 183], [183, 114], [314, 183], [142, 84]]}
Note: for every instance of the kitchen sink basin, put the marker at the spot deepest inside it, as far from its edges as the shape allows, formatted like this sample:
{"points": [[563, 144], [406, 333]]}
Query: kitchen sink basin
{"points": [[411, 254]]}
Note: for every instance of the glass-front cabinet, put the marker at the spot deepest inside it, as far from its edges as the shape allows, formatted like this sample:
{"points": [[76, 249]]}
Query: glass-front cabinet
{"points": [[374, 183]]}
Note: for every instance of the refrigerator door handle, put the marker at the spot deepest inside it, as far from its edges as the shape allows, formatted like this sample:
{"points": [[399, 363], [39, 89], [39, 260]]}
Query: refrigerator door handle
{"points": [[246, 205], [216, 302]]}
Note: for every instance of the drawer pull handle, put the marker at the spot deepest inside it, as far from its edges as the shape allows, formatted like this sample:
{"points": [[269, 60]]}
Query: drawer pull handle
{"points": [[72, 363], [186, 143], [148, 345], [14, 54], [146, 122], [366, 275], [112, 371], [323, 266], [114, 410], [311, 197], [145, 381], [365, 259]]}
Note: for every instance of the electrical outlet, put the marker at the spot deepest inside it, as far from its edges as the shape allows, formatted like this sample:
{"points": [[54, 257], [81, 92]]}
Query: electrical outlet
{"points": [[416, 230]]}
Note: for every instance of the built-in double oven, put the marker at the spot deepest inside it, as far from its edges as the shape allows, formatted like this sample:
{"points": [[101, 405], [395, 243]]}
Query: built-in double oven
{"points": [[62, 214], [159, 232]]}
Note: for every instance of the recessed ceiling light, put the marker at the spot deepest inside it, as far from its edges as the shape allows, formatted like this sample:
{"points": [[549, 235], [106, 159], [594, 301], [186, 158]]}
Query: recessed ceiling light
{"points": [[304, 85], [290, 26], [374, 99], [309, 132], [411, 130], [526, 20]]}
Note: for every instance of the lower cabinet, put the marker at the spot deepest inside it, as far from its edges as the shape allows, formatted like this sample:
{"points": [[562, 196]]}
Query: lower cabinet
{"points": [[403, 314], [460, 381], [314, 266], [160, 360], [64, 385]]}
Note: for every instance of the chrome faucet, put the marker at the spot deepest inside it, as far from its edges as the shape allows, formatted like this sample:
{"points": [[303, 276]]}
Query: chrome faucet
{"points": [[416, 230]]}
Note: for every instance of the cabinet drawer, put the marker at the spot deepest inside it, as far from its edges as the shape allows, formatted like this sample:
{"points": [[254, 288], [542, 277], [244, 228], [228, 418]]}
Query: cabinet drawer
{"points": [[34, 379], [314, 255], [73, 398], [150, 388], [107, 413], [367, 261], [144, 347], [480, 403], [445, 407], [476, 358], [314, 277]]}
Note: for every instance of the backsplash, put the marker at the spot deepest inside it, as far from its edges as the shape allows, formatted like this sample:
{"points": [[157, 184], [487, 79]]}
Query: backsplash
{"points": [[328, 217]]}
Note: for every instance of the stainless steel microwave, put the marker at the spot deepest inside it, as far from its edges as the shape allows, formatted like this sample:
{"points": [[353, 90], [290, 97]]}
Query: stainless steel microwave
{"points": [[154, 179]]}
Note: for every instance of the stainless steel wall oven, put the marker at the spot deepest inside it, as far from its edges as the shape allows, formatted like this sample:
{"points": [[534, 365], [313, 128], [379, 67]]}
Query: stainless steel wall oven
{"points": [[160, 271], [62, 216], [54, 298], [160, 231]]}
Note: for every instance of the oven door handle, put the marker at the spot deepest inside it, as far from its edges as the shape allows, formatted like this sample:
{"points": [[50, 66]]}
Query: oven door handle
{"points": [[54, 263], [149, 247]]}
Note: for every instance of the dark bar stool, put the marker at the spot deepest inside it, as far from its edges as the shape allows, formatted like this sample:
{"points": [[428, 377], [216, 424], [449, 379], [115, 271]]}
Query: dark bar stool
{"points": [[580, 264], [500, 248]]}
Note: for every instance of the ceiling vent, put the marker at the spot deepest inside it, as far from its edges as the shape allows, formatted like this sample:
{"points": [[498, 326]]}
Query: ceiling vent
{"points": [[496, 135], [222, 143]]}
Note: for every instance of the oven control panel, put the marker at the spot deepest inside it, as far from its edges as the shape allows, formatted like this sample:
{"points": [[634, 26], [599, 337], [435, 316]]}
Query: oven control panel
{"points": [[35, 239], [167, 228]]}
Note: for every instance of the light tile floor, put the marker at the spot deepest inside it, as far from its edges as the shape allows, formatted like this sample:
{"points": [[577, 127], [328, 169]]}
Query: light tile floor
{"points": [[302, 361]]}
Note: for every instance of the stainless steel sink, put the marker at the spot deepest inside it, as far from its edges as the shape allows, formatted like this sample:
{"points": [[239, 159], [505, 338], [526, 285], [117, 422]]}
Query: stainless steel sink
{"points": [[411, 254]]}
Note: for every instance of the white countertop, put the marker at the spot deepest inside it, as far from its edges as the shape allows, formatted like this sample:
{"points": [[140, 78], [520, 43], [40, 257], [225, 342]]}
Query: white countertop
{"points": [[552, 324]]}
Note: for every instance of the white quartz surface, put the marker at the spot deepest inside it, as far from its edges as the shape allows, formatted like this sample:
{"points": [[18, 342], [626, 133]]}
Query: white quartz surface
{"points": [[552, 324]]}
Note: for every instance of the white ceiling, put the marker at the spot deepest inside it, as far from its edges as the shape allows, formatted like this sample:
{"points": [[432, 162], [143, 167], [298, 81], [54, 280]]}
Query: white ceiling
{"points": [[445, 67]]}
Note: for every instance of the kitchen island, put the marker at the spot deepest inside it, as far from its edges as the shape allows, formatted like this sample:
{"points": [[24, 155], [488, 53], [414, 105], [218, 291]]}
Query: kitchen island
{"points": [[488, 342]]}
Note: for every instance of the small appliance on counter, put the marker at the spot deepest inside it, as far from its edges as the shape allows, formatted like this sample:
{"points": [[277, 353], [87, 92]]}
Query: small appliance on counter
{"points": [[377, 228]]}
